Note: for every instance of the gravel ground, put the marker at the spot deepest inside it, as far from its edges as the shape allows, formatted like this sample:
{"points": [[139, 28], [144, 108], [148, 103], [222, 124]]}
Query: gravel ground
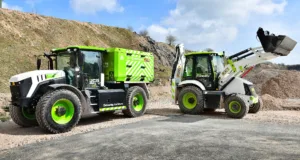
{"points": [[11, 135]]}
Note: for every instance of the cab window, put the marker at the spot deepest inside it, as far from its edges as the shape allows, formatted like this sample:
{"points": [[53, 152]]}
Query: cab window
{"points": [[203, 67], [188, 70]]}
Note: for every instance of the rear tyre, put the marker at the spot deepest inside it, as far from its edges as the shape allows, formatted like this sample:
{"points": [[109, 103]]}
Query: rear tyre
{"points": [[22, 116], [191, 100], [58, 111], [235, 107], [256, 107], [136, 102]]}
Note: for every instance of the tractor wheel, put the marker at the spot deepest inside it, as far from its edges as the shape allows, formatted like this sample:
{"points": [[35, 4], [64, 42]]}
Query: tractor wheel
{"points": [[235, 107], [256, 107], [22, 116], [209, 110], [191, 100], [136, 102], [58, 111]]}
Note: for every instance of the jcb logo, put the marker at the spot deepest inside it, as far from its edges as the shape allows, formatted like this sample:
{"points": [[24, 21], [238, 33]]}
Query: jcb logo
{"points": [[146, 60]]}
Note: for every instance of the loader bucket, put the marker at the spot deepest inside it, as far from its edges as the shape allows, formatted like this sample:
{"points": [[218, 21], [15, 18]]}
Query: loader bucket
{"points": [[281, 45]]}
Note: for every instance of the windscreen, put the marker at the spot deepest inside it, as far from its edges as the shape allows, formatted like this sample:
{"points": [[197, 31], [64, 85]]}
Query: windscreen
{"points": [[65, 60], [218, 64]]}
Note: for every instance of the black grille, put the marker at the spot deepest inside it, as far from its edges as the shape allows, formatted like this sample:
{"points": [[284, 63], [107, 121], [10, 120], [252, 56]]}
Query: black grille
{"points": [[20, 90]]}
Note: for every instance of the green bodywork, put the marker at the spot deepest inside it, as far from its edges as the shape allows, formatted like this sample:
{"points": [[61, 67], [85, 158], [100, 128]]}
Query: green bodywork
{"points": [[122, 65], [128, 65]]}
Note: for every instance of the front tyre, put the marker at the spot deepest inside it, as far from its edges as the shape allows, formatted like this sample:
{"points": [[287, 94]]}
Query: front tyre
{"points": [[191, 100], [58, 111], [254, 108], [136, 102], [23, 116], [235, 107]]}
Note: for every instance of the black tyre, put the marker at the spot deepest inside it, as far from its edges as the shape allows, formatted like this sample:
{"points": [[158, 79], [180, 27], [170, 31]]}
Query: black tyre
{"points": [[136, 102], [209, 110], [58, 111], [256, 107], [22, 116], [235, 107], [191, 100]]}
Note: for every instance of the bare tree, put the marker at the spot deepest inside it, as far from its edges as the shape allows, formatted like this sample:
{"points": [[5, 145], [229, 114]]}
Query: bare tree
{"points": [[171, 39], [144, 33], [130, 28], [209, 50]]}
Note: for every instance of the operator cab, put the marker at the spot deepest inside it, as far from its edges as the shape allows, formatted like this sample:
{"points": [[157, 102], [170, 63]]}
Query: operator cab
{"points": [[204, 67], [78, 62]]}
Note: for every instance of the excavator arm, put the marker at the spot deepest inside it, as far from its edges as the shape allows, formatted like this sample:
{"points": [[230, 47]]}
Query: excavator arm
{"points": [[239, 64]]}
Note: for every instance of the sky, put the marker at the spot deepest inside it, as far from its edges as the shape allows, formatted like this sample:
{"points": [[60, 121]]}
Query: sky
{"points": [[224, 25]]}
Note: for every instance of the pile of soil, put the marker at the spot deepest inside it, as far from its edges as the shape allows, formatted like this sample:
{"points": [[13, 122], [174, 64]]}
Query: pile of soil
{"points": [[278, 88], [284, 85], [271, 103]]}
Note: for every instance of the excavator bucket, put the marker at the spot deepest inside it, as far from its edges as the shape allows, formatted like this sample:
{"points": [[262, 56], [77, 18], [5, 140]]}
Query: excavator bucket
{"points": [[281, 45]]}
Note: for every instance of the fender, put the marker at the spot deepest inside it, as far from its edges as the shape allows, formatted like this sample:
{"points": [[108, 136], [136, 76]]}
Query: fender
{"points": [[82, 98], [192, 82], [188, 82]]}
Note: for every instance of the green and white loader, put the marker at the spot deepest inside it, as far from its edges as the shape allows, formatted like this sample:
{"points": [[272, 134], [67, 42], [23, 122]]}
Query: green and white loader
{"points": [[206, 81], [81, 80]]}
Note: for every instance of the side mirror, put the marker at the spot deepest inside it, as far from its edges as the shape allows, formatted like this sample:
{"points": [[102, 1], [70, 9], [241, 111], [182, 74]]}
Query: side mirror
{"points": [[38, 63], [81, 59]]}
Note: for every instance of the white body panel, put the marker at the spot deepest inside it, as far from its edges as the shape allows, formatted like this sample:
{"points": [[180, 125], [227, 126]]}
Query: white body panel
{"points": [[37, 77], [236, 86], [259, 56], [181, 62], [192, 82]]}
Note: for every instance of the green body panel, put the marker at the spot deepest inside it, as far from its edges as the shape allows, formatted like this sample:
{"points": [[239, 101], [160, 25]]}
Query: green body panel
{"points": [[122, 65]]}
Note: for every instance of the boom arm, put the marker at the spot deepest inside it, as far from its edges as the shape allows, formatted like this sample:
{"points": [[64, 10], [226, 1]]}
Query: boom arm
{"points": [[272, 47]]}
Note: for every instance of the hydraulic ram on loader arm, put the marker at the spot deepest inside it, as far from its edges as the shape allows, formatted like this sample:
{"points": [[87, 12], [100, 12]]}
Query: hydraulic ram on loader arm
{"points": [[239, 64]]}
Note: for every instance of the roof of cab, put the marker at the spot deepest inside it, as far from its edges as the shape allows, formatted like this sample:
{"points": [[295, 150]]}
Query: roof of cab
{"points": [[204, 52], [91, 48]]}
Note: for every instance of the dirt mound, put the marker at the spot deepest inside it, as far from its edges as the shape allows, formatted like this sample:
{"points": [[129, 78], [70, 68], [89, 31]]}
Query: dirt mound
{"points": [[271, 103], [284, 85], [260, 76]]}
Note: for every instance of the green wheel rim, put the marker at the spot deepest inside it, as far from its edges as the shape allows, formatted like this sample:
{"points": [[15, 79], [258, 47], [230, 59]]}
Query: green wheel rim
{"points": [[189, 100], [67, 114], [27, 114], [235, 107], [138, 102]]}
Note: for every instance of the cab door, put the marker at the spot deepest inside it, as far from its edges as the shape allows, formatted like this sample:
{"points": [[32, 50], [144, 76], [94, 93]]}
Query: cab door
{"points": [[203, 71]]}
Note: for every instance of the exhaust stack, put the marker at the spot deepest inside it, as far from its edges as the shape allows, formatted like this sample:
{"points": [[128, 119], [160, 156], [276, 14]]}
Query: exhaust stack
{"points": [[281, 45]]}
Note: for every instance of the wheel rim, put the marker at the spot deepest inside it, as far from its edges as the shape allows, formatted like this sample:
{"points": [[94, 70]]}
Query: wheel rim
{"points": [[189, 100], [138, 102], [235, 107], [27, 113], [62, 111]]}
